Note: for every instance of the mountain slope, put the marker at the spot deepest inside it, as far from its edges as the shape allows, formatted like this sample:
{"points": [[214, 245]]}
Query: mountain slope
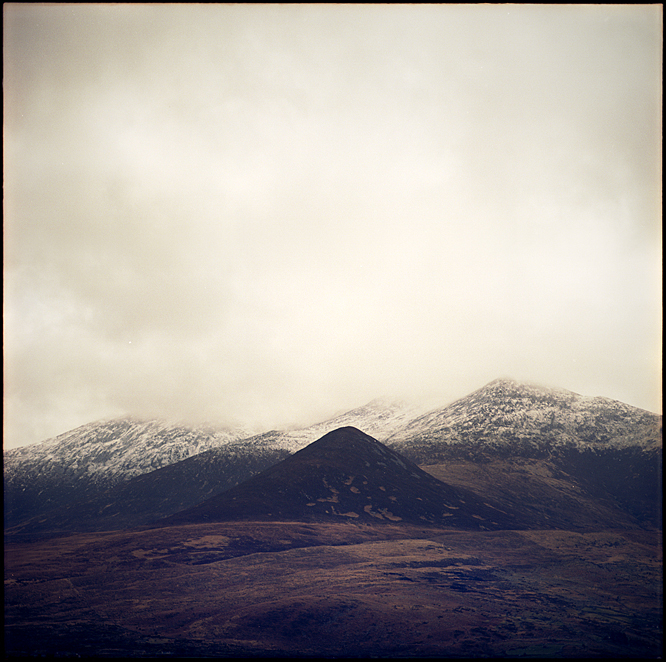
{"points": [[80, 464], [348, 475], [151, 496], [506, 417], [84, 470], [593, 452]]}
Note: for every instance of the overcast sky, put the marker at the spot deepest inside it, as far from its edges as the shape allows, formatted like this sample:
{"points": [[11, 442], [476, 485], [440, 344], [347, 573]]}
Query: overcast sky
{"points": [[264, 215]]}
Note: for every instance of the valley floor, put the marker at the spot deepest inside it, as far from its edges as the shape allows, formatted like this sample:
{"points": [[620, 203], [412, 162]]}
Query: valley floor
{"points": [[335, 590]]}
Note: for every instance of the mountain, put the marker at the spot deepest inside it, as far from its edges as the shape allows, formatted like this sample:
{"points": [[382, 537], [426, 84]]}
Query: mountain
{"points": [[121, 447], [566, 460], [63, 482], [80, 464], [349, 475], [506, 417], [154, 495], [388, 556], [548, 449]]}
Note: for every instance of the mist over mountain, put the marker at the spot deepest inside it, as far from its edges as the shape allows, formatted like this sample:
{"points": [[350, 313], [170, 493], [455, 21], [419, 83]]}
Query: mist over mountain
{"points": [[561, 458], [381, 417]]}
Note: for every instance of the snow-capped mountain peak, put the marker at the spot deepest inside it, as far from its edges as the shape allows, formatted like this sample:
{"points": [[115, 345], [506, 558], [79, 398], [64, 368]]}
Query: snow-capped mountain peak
{"points": [[120, 447], [511, 415]]}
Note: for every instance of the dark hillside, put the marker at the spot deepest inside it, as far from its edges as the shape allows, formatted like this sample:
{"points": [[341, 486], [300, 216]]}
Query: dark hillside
{"points": [[348, 475]]}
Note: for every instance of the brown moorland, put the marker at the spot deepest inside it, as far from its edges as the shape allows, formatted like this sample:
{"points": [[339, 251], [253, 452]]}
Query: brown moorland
{"points": [[340, 589]]}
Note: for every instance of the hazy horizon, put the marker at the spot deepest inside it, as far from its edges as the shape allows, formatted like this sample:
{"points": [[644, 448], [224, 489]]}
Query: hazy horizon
{"points": [[264, 215]]}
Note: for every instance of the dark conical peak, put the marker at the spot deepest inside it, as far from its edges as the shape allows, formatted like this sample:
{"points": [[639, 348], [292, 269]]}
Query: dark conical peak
{"points": [[346, 434], [343, 438], [346, 475], [348, 449]]}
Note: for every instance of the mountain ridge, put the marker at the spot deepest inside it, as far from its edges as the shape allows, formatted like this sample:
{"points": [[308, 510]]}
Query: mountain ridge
{"points": [[612, 449]]}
